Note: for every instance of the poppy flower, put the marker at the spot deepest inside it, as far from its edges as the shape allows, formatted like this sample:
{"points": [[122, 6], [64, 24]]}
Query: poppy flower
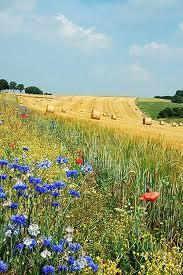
{"points": [[150, 196], [24, 116], [79, 161]]}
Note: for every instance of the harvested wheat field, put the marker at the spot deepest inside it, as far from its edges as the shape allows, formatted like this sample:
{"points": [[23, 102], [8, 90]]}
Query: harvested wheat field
{"points": [[129, 118]]}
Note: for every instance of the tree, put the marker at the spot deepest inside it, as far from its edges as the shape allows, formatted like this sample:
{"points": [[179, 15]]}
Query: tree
{"points": [[168, 112], [177, 99], [13, 85], [179, 93], [33, 90], [20, 87], [4, 85], [48, 94]]}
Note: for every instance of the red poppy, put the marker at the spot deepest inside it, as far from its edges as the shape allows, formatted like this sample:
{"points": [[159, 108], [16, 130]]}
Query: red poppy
{"points": [[79, 161], [24, 116], [150, 196]]}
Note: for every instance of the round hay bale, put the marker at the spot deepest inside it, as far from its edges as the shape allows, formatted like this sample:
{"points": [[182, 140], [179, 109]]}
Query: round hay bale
{"points": [[21, 102], [147, 121], [95, 114], [162, 122], [174, 124], [34, 103], [70, 109], [82, 111], [104, 114], [50, 109], [64, 110], [114, 117], [1, 122], [180, 124]]}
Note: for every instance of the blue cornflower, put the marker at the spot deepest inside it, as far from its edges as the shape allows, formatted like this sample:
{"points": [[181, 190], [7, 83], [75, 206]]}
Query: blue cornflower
{"points": [[59, 185], [1, 189], [3, 177], [19, 247], [55, 194], [3, 267], [74, 247], [35, 180], [3, 162], [20, 186], [55, 204], [72, 173], [48, 269], [14, 205], [93, 266], [19, 219], [47, 242], [23, 168], [62, 242], [33, 244], [76, 266], [74, 193], [70, 260], [62, 160], [25, 149], [45, 164], [88, 259], [86, 168], [2, 195], [13, 165], [62, 268], [91, 263], [58, 248], [41, 189]]}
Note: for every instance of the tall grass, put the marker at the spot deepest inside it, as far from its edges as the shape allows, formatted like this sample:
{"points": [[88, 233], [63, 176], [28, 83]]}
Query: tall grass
{"points": [[125, 167]]}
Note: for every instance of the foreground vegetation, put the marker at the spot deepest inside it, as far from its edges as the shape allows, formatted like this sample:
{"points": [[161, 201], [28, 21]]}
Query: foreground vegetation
{"points": [[121, 233], [152, 107]]}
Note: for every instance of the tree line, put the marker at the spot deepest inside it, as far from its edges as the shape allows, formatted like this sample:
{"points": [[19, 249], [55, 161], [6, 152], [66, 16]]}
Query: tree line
{"points": [[171, 112], [177, 98], [5, 85]]}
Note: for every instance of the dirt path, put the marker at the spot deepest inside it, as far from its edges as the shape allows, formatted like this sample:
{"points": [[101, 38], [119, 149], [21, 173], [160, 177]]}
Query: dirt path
{"points": [[129, 117]]}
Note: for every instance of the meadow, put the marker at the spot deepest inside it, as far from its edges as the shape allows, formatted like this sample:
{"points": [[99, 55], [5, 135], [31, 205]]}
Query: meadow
{"points": [[70, 198], [152, 107]]}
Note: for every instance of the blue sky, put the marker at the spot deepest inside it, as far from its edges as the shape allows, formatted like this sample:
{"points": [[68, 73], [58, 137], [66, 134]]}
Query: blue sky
{"points": [[93, 47]]}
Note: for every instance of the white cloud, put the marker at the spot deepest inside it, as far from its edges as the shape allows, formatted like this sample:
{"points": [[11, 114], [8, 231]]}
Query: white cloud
{"points": [[137, 73], [156, 50], [83, 38], [10, 23], [24, 5]]}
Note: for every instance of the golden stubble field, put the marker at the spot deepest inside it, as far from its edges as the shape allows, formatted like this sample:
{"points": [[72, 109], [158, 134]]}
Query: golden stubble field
{"points": [[129, 117]]}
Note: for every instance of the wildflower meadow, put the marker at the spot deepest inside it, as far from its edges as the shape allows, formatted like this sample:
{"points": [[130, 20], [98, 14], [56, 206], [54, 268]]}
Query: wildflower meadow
{"points": [[75, 198]]}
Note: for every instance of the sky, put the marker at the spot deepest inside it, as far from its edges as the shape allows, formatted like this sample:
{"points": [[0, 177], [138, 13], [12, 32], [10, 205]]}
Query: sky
{"points": [[93, 47]]}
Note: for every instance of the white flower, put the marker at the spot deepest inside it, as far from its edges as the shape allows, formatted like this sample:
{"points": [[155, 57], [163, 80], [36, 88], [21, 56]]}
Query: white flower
{"points": [[8, 233], [27, 241], [69, 230], [68, 238], [33, 230], [46, 254], [6, 203], [66, 169]]}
